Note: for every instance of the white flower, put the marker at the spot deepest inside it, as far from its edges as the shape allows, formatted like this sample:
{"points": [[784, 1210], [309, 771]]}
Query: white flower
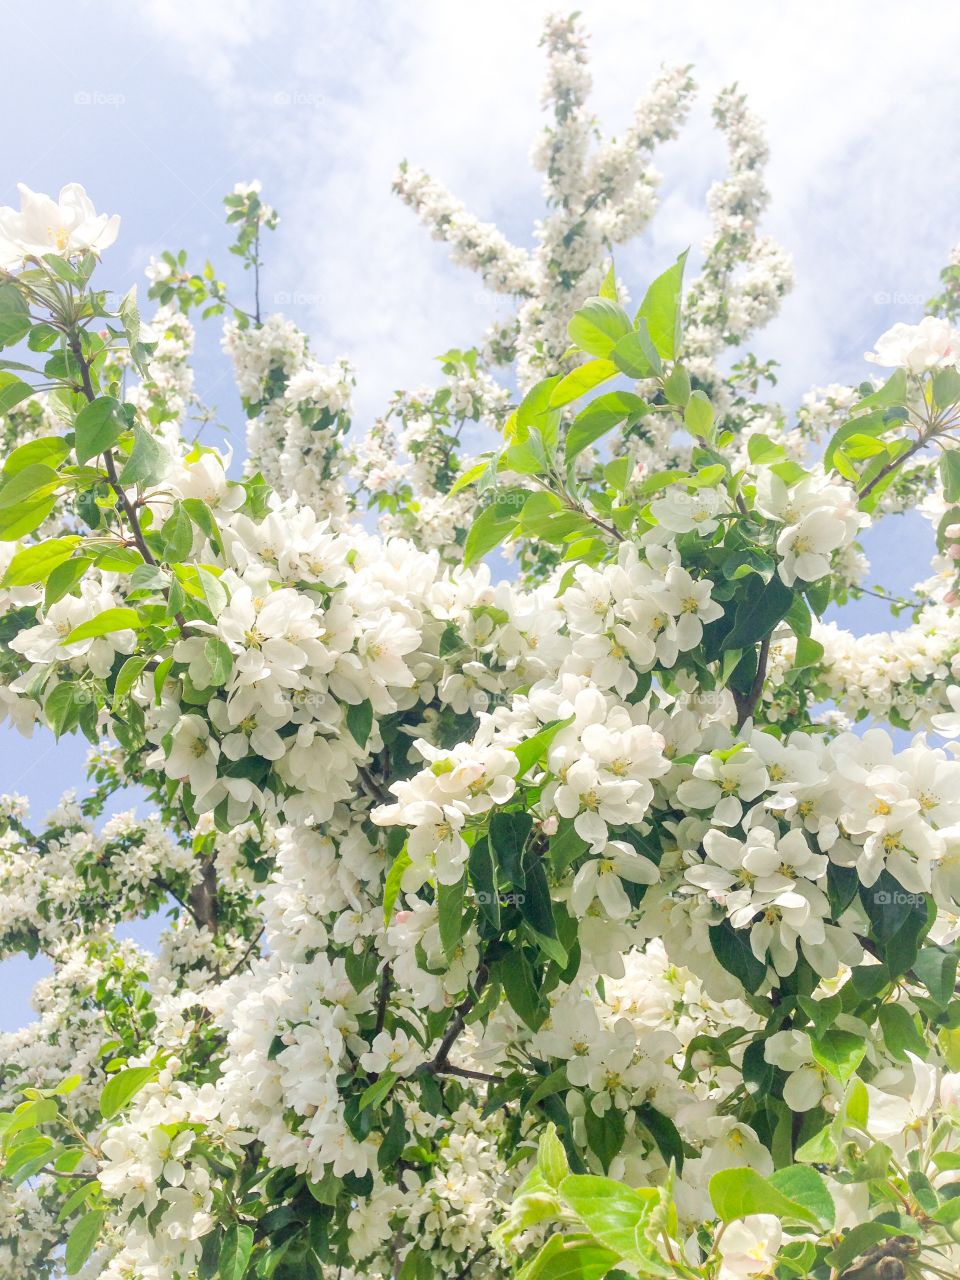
{"points": [[931, 344], [750, 1245], [68, 227], [947, 724], [600, 878], [194, 755]]}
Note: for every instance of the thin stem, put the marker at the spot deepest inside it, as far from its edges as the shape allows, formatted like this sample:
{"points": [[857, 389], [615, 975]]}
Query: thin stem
{"points": [[747, 705], [457, 1023]]}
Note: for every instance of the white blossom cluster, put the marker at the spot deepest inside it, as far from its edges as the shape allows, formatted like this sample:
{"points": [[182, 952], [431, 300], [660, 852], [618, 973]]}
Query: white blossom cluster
{"points": [[297, 409]]}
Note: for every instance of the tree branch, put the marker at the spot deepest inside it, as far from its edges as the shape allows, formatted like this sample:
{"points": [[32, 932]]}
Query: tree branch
{"points": [[746, 705]]}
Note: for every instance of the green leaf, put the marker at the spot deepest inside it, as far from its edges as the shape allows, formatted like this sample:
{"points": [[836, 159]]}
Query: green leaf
{"points": [[582, 379], [483, 877], [664, 1133], [661, 308], [218, 655], [563, 1259], [635, 355], [122, 1088], [599, 417], [517, 977], [598, 326], [950, 474], [15, 319], [737, 1193], [235, 1251], [127, 677], [805, 1186], [13, 390], [104, 623], [605, 1134], [677, 387], [857, 1241], [98, 426], [839, 1053], [375, 1093], [36, 563], [900, 1033], [177, 534], [870, 424], [615, 1215], [391, 886], [493, 524], [508, 835], [762, 607], [25, 517], [148, 461], [533, 749], [609, 287], [32, 482], [732, 948], [81, 1241], [450, 914], [47, 450], [360, 721], [937, 970], [698, 414], [551, 1157], [761, 449], [946, 387]]}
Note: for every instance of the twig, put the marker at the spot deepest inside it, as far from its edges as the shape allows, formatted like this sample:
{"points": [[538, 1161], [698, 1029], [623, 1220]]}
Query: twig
{"points": [[457, 1023], [747, 705], [383, 999]]}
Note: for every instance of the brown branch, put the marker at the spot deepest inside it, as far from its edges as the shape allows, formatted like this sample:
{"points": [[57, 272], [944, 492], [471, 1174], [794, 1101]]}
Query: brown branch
{"points": [[457, 1023], [383, 999], [747, 704]]}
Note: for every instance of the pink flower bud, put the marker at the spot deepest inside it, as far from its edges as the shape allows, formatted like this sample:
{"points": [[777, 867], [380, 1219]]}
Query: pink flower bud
{"points": [[549, 825], [952, 531], [951, 598], [953, 551], [950, 1089], [401, 917]]}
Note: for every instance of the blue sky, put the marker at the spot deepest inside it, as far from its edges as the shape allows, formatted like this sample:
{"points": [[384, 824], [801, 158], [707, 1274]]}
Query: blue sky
{"points": [[158, 108]]}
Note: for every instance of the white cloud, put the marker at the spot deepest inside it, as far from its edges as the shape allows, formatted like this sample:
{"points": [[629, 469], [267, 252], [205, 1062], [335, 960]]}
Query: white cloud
{"points": [[859, 101]]}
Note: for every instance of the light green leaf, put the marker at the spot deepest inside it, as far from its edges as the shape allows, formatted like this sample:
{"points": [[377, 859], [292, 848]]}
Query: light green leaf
{"points": [[599, 416], [148, 461], [582, 379], [218, 655], [737, 1193], [534, 748], [98, 426], [391, 886], [698, 414], [122, 1088], [661, 308], [105, 623], [450, 914], [615, 1215], [839, 1053], [36, 563], [82, 1239], [598, 326], [635, 355]]}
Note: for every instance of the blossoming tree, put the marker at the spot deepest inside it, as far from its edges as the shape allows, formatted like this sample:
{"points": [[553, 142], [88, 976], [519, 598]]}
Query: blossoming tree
{"points": [[558, 926]]}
